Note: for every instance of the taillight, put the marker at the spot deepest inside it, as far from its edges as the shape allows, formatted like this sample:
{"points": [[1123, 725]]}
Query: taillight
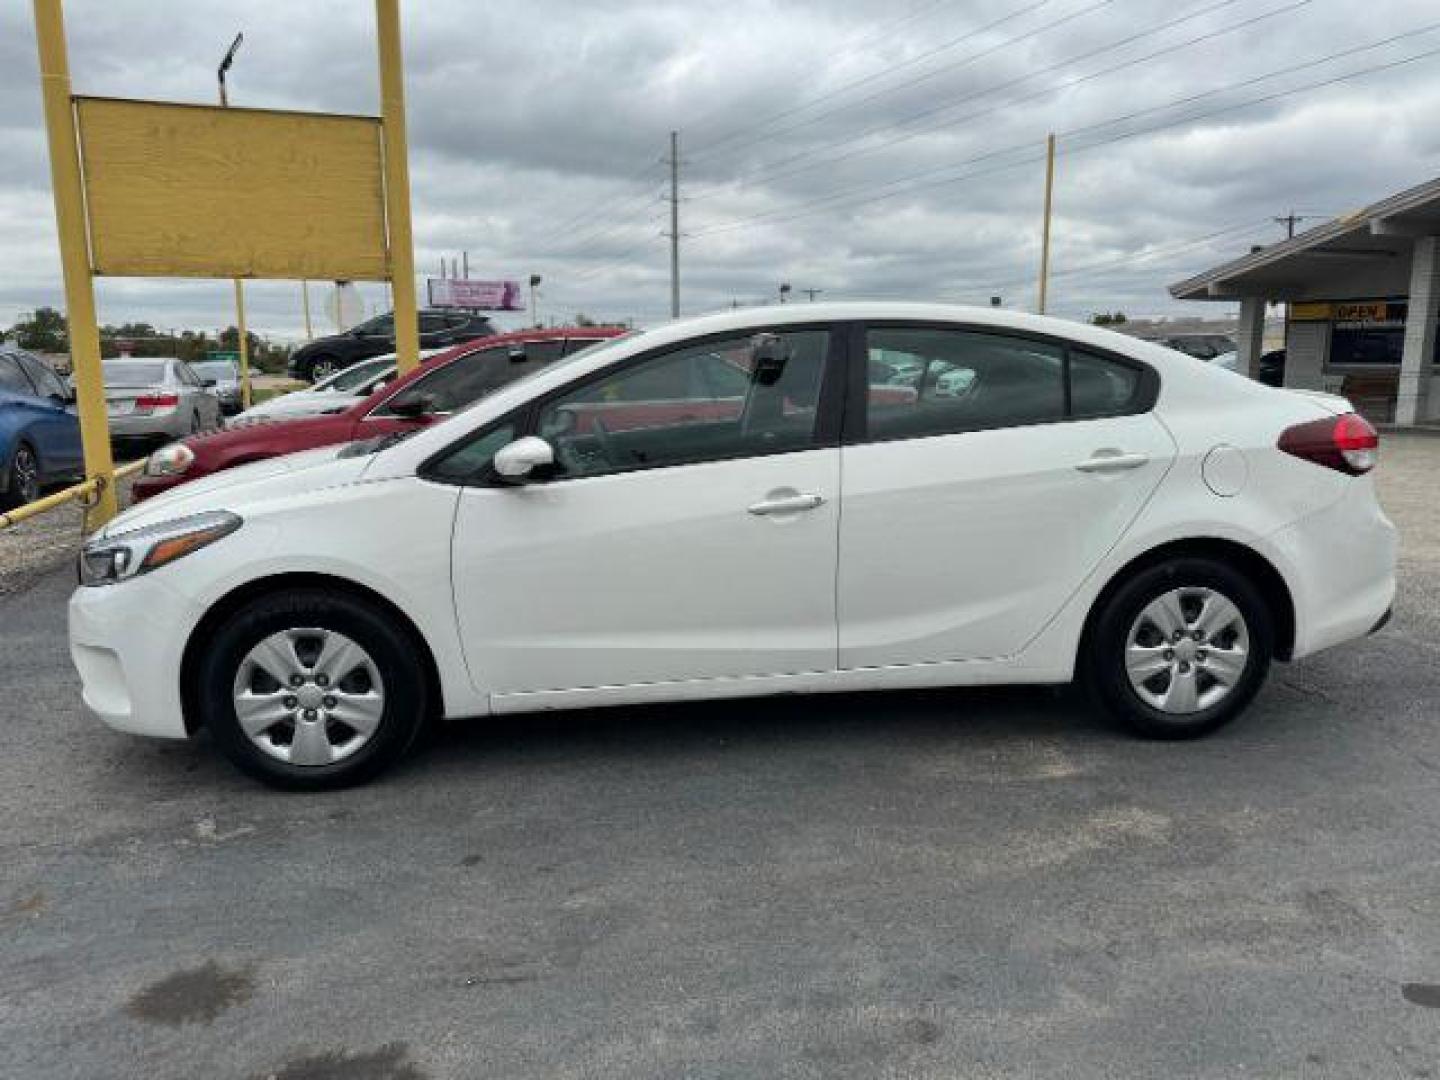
{"points": [[1345, 443], [157, 401]]}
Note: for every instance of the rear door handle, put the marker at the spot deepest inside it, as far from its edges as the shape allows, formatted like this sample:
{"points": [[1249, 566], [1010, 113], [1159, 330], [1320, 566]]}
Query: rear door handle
{"points": [[1112, 462], [790, 504]]}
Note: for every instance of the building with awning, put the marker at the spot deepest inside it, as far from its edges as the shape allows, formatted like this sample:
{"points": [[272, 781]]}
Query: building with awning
{"points": [[1363, 294]]}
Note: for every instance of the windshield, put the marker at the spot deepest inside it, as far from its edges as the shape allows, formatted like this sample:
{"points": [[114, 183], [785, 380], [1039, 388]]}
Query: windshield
{"points": [[356, 374], [218, 370], [128, 373], [587, 353]]}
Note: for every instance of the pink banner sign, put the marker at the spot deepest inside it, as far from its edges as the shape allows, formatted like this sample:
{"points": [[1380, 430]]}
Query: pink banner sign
{"points": [[475, 295]]}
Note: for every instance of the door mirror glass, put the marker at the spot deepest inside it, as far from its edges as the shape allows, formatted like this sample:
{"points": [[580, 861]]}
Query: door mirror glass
{"points": [[414, 406], [521, 458], [767, 359]]}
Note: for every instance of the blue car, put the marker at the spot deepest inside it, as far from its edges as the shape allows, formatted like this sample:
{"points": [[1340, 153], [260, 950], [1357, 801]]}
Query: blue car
{"points": [[39, 431]]}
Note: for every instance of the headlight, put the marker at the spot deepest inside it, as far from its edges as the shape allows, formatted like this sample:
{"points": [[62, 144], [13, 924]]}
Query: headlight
{"points": [[170, 460], [105, 560]]}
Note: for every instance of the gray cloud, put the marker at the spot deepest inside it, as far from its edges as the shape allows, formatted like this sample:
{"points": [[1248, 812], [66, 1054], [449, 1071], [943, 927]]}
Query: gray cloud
{"points": [[537, 132]]}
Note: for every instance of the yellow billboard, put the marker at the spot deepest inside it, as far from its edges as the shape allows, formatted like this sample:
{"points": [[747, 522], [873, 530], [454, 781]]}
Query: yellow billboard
{"points": [[202, 191]]}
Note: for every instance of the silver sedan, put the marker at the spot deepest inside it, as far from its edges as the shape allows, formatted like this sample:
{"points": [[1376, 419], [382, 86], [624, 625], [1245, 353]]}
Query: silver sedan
{"points": [[157, 399]]}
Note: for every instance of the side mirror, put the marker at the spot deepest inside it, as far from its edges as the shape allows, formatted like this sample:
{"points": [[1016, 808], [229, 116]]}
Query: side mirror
{"points": [[767, 358], [519, 459], [415, 407]]}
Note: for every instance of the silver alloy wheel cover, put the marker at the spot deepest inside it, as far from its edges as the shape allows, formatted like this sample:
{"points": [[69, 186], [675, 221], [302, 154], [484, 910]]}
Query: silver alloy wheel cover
{"points": [[25, 472], [1187, 650], [325, 721]]}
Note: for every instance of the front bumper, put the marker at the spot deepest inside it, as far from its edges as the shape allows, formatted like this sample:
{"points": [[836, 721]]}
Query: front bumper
{"points": [[127, 642]]}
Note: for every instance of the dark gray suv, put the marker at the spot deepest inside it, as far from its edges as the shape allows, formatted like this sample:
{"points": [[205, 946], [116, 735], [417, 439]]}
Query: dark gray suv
{"points": [[321, 358]]}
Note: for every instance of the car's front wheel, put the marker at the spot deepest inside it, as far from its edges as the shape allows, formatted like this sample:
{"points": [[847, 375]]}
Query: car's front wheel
{"points": [[310, 690], [1179, 649]]}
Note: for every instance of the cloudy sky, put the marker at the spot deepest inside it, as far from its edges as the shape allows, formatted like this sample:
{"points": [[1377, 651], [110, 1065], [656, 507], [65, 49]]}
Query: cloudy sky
{"points": [[863, 148]]}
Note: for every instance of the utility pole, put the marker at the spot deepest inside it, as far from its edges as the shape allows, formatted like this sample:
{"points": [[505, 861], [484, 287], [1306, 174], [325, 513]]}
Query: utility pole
{"points": [[534, 283], [1291, 219], [674, 224], [244, 337], [465, 265], [810, 294], [784, 291], [1045, 230]]}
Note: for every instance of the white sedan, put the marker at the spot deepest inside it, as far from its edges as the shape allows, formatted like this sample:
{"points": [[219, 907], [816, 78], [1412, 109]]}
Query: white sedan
{"points": [[727, 506]]}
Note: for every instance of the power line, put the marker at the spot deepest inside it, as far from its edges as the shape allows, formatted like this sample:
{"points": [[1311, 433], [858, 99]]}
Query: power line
{"points": [[799, 210], [864, 41], [708, 148], [778, 172], [591, 209], [963, 62]]}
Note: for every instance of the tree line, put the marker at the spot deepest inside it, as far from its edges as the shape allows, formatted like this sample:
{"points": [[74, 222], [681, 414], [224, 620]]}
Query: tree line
{"points": [[45, 332]]}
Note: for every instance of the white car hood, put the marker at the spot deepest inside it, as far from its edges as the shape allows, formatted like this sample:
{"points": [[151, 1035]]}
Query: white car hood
{"points": [[300, 403], [309, 470]]}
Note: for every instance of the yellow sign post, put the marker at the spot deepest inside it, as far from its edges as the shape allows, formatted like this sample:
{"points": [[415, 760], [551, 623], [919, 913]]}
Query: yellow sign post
{"points": [[172, 190], [84, 331], [397, 186]]}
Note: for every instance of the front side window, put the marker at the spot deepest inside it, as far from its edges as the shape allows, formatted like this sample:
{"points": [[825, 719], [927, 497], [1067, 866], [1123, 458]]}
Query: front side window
{"points": [[935, 382], [380, 326], [727, 398]]}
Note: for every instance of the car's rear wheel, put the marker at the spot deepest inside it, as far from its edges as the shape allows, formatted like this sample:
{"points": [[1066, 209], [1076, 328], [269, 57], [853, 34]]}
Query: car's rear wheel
{"points": [[24, 478], [1179, 649], [310, 690]]}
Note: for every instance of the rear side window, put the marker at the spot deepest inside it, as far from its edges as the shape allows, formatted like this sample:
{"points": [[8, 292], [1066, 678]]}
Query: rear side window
{"points": [[12, 378], [1102, 387], [46, 382], [934, 382], [924, 381]]}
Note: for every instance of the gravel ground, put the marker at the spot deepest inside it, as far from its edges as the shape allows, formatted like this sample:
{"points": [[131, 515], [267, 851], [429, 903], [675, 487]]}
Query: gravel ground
{"points": [[941, 885], [31, 549]]}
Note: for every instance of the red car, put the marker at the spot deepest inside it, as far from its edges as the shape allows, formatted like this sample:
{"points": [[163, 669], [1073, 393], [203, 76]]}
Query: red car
{"points": [[438, 387]]}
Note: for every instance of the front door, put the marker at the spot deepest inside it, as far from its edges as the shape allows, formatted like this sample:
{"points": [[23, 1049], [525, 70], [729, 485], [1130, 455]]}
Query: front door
{"points": [[687, 531], [992, 473]]}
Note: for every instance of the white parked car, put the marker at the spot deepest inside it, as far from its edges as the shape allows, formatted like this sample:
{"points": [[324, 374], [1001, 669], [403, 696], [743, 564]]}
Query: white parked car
{"points": [[725, 507], [335, 394]]}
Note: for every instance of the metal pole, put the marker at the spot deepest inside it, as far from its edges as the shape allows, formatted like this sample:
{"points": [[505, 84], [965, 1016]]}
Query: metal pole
{"points": [[84, 332], [244, 343], [465, 265], [305, 301], [674, 224], [397, 185], [1045, 238]]}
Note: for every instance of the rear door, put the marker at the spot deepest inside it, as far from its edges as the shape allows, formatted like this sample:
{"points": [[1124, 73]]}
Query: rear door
{"points": [[985, 475], [57, 426]]}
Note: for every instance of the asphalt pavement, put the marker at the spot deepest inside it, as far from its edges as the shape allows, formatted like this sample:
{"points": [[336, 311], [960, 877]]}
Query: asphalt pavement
{"points": [[939, 885]]}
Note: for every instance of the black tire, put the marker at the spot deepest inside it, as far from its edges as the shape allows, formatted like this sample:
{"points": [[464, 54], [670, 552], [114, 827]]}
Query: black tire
{"points": [[1102, 666], [322, 367], [393, 651], [23, 482]]}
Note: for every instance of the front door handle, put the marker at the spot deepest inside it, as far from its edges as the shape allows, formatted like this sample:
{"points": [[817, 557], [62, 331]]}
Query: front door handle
{"points": [[788, 504], [1112, 461]]}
